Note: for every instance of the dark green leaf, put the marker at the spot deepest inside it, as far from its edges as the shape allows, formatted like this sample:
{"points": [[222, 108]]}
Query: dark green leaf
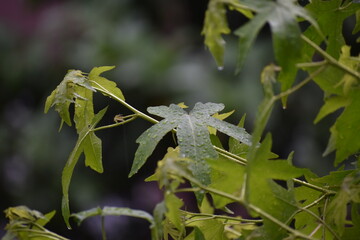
{"points": [[247, 35], [330, 16], [192, 134]]}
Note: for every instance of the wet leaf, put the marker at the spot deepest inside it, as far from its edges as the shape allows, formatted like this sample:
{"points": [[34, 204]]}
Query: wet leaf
{"points": [[192, 134]]}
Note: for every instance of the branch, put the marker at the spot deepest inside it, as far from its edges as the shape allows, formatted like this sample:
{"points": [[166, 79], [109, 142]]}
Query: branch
{"points": [[331, 60]]}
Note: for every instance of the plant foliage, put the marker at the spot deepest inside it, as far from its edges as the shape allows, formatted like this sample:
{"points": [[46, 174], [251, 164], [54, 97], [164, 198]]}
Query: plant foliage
{"points": [[282, 201]]}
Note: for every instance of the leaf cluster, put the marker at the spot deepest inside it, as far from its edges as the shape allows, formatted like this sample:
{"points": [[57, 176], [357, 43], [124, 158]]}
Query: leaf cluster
{"points": [[280, 201]]}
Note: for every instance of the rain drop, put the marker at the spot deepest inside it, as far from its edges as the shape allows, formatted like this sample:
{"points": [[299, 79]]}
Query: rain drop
{"points": [[220, 68]]}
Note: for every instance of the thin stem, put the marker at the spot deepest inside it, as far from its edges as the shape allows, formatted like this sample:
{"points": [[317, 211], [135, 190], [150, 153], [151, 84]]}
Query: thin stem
{"points": [[233, 159], [133, 117], [312, 186], [311, 64], [324, 215], [251, 207], [237, 219], [331, 60], [301, 84], [315, 230], [187, 190], [279, 223], [322, 221], [125, 104], [103, 231], [229, 229], [147, 117]]}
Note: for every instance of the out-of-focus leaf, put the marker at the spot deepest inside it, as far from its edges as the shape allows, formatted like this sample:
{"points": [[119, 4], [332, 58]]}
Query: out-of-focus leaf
{"points": [[346, 128], [215, 25], [112, 211], [221, 116], [331, 105], [247, 35], [108, 87], [350, 192], [47, 217], [330, 16], [211, 229], [159, 214], [282, 18], [91, 146], [66, 93], [173, 213], [22, 213], [265, 108], [192, 134], [25, 223], [357, 24]]}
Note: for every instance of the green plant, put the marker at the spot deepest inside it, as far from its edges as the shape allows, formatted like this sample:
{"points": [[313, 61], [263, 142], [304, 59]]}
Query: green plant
{"points": [[283, 201]]}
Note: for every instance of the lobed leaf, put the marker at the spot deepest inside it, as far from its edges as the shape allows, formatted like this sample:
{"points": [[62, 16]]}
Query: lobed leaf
{"points": [[192, 134], [346, 128], [148, 141], [93, 159], [331, 105], [263, 192], [330, 16], [66, 93], [215, 24], [107, 87]]}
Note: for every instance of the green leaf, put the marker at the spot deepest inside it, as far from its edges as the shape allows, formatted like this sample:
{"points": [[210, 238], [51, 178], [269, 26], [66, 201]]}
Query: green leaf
{"points": [[338, 208], [47, 217], [84, 110], [107, 87], [221, 116], [263, 192], [19, 213], [25, 223], [357, 25], [330, 16], [159, 213], [211, 229], [173, 213], [112, 211], [66, 93], [215, 24], [265, 108], [247, 35], [282, 18], [331, 105], [192, 134], [92, 158], [305, 196], [346, 128], [227, 176]]}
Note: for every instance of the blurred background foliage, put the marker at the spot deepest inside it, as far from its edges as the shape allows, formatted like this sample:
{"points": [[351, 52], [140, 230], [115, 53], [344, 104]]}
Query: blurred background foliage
{"points": [[160, 58]]}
